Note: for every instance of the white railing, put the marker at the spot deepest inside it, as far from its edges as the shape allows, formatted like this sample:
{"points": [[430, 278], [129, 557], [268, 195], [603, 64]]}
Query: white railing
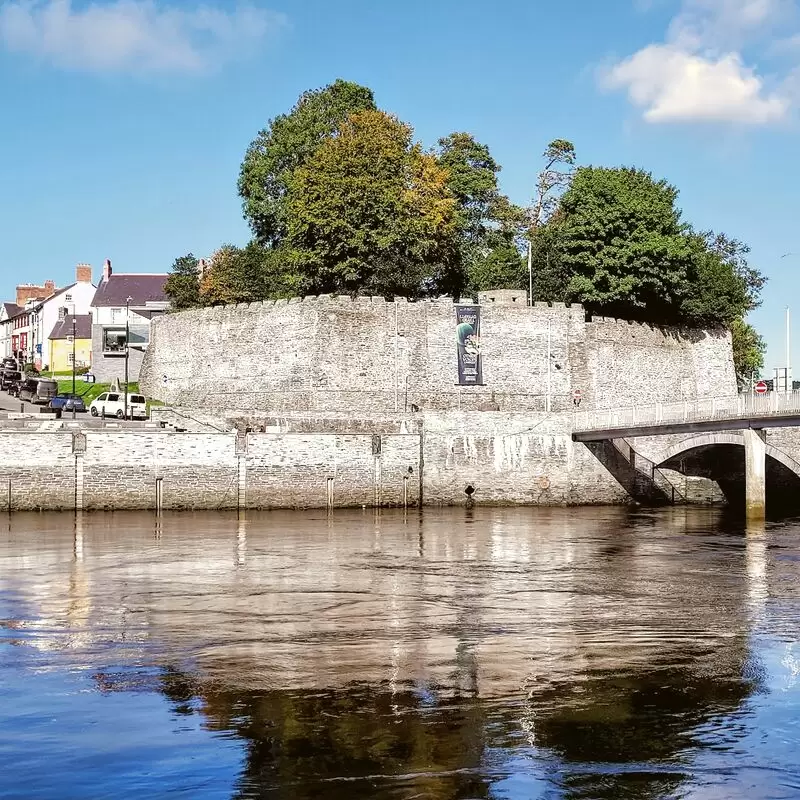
{"points": [[732, 407]]}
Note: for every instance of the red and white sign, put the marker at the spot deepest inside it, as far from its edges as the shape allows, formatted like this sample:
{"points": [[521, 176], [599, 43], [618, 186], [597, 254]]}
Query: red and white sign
{"points": [[760, 387]]}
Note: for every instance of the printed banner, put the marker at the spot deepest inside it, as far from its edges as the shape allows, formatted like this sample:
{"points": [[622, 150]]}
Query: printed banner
{"points": [[468, 340]]}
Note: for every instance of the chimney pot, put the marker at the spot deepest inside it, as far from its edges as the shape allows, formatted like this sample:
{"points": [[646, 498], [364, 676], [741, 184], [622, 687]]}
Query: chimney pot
{"points": [[106, 269]]}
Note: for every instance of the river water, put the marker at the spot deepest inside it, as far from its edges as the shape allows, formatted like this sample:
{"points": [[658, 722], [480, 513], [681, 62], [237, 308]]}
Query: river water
{"points": [[485, 653]]}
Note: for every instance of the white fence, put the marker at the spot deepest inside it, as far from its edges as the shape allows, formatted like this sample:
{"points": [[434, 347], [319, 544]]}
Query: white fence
{"points": [[733, 407]]}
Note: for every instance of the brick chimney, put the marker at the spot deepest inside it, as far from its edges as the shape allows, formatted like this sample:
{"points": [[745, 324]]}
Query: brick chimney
{"points": [[49, 288], [106, 269], [83, 273]]}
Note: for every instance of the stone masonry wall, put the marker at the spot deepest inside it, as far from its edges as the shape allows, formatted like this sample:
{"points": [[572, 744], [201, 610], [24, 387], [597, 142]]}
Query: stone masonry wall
{"points": [[37, 471], [432, 457], [366, 356], [511, 459]]}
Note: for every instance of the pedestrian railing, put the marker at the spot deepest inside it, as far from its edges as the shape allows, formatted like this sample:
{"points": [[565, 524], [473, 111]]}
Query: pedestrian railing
{"points": [[698, 410]]}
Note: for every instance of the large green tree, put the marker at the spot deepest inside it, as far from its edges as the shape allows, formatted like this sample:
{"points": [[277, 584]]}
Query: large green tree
{"points": [[488, 223], [182, 286], [623, 244], [287, 143], [370, 213]]}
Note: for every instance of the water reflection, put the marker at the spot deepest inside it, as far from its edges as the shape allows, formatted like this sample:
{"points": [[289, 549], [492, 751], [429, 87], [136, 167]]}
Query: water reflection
{"points": [[452, 654]]}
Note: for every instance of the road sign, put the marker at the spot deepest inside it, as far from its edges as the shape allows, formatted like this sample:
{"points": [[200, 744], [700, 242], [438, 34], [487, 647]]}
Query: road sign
{"points": [[760, 387]]}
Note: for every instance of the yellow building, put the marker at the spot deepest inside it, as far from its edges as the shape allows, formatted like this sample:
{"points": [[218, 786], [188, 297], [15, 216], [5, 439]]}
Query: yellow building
{"points": [[61, 346]]}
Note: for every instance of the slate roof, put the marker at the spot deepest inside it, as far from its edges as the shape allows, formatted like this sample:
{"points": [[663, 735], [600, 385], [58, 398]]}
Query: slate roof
{"points": [[142, 288], [12, 309], [63, 328]]}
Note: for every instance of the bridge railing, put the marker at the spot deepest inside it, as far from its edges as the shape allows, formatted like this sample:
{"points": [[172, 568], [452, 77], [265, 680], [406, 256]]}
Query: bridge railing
{"points": [[697, 410]]}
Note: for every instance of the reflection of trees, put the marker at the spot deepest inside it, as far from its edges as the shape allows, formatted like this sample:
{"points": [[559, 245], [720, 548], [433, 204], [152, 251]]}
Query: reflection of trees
{"points": [[640, 722], [606, 734], [351, 743]]}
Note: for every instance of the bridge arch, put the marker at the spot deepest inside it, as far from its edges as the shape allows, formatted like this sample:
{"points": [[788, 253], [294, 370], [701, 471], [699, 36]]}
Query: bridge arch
{"points": [[720, 457], [721, 438]]}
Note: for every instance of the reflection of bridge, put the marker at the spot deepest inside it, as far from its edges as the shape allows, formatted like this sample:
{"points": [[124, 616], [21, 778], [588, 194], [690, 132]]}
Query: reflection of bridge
{"points": [[687, 437]]}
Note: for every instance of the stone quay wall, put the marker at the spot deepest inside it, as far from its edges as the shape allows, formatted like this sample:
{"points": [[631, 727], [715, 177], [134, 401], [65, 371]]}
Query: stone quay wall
{"points": [[425, 459], [369, 356]]}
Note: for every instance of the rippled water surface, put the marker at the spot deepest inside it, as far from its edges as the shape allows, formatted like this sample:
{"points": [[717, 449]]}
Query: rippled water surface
{"points": [[595, 653]]}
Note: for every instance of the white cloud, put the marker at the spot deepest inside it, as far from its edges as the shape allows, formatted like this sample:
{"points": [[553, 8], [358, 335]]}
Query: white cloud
{"points": [[132, 35], [676, 86], [699, 73]]}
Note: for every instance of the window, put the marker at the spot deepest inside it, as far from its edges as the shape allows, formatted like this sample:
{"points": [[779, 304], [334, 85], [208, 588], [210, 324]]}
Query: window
{"points": [[116, 315], [70, 357], [103, 397], [113, 398], [114, 340], [68, 297]]}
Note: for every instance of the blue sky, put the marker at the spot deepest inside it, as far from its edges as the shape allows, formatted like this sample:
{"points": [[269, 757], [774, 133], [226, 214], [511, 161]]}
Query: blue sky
{"points": [[124, 121]]}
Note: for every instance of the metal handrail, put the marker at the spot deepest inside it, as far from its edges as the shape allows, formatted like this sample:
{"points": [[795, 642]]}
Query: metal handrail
{"points": [[694, 410]]}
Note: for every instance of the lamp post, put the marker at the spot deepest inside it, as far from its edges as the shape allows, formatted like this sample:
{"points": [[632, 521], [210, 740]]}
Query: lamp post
{"points": [[127, 350], [73, 363]]}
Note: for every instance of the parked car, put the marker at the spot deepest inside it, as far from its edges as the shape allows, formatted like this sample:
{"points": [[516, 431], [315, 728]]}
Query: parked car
{"points": [[38, 390], [112, 404], [68, 402], [15, 386], [8, 362], [8, 377]]}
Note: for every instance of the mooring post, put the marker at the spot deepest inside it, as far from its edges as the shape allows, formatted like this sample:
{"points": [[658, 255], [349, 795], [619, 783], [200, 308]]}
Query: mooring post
{"points": [[755, 464]]}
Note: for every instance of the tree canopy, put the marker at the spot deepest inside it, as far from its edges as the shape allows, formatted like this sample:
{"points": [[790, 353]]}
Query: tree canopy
{"points": [[618, 244], [370, 212], [488, 224], [183, 283], [287, 143]]}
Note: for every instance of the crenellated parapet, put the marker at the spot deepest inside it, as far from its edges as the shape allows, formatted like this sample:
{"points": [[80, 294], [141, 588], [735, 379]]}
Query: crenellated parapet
{"points": [[337, 353]]}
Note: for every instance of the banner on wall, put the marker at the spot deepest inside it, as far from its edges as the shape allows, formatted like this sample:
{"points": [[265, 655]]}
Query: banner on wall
{"points": [[468, 342]]}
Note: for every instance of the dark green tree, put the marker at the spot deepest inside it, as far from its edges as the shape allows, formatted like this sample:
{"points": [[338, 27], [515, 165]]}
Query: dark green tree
{"points": [[748, 351], [623, 244], [287, 143], [488, 223], [371, 213], [183, 283]]}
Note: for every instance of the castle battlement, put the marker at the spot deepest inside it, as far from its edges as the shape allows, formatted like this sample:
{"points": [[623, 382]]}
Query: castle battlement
{"points": [[370, 355]]}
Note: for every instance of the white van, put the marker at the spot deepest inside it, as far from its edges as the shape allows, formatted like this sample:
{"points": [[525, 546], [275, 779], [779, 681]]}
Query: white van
{"points": [[112, 404]]}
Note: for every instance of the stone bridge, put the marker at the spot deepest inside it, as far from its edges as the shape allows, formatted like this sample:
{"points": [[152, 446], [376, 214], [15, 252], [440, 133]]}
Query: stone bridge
{"points": [[743, 449]]}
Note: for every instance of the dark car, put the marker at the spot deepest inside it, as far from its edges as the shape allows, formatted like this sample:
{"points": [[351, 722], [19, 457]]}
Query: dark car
{"points": [[9, 377], [68, 402], [26, 389], [38, 390]]}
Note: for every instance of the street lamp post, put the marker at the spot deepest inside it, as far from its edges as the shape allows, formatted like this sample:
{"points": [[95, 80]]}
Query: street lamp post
{"points": [[73, 363], [127, 350]]}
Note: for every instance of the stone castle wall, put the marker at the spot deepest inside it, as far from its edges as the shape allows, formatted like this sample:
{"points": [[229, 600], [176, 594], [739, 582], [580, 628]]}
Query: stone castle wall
{"points": [[507, 459], [367, 355]]}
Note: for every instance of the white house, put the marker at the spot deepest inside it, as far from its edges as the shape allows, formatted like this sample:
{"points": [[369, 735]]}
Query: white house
{"points": [[125, 303], [76, 298]]}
